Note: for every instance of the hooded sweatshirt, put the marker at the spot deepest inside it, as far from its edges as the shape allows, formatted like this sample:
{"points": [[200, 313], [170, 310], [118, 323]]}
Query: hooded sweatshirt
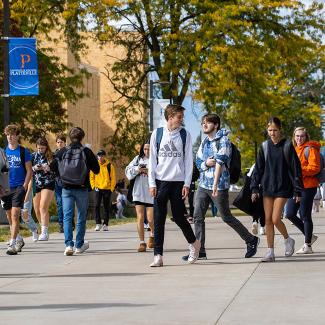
{"points": [[310, 165], [103, 180], [220, 149], [170, 164]]}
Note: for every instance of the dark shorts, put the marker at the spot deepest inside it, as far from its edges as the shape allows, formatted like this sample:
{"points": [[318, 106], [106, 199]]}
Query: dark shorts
{"points": [[147, 205], [50, 187], [15, 199]]}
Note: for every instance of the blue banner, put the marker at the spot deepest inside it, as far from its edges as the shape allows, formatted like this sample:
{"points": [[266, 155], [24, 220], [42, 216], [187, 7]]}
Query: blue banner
{"points": [[23, 71]]}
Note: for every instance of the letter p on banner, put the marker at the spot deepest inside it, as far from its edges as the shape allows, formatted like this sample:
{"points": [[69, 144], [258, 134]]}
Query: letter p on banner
{"points": [[23, 69]]}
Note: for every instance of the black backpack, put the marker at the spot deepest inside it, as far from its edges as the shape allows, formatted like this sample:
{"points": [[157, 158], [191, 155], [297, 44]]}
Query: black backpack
{"points": [[73, 169], [234, 165]]}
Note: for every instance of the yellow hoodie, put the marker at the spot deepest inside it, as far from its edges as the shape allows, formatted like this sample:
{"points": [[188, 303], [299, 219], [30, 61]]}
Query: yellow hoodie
{"points": [[102, 180]]}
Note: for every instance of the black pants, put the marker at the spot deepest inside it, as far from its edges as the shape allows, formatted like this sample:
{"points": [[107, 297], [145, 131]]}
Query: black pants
{"points": [[305, 223], [104, 195], [171, 191], [260, 219]]}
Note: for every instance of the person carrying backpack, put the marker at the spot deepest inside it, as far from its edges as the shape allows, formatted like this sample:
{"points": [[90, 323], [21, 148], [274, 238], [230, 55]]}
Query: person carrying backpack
{"points": [[73, 165], [278, 173], [103, 184], [213, 160], [309, 156], [170, 175]]}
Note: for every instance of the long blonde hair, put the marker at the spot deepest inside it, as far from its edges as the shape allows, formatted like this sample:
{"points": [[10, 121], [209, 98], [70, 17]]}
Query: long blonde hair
{"points": [[299, 128]]}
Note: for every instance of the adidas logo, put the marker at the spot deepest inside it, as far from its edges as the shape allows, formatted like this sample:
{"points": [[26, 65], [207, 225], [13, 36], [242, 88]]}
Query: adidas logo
{"points": [[169, 150]]}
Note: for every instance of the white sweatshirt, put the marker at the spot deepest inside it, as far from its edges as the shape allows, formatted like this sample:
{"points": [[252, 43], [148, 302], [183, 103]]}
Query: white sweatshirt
{"points": [[172, 166], [141, 188]]}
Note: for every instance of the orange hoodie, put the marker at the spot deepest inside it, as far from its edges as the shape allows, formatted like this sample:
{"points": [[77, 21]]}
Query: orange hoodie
{"points": [[311, 165]]}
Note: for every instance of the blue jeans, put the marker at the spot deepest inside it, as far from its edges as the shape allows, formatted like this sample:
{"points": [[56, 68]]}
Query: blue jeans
{"points": [[70, 197], [58, 199], [30, 221]]}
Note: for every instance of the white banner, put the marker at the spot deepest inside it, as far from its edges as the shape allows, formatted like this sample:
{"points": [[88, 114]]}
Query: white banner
{"points": [[159, 106]]}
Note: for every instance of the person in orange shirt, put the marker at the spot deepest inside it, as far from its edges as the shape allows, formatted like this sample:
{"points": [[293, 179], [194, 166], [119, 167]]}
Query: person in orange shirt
{"points": [[309, 155]]}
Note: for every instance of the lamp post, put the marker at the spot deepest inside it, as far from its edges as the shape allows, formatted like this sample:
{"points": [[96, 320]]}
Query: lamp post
{"points": [[151, 99], [5, 39]]}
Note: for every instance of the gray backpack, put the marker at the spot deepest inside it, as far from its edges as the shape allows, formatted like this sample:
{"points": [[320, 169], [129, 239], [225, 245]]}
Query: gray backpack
{"points": [[73, 169]]}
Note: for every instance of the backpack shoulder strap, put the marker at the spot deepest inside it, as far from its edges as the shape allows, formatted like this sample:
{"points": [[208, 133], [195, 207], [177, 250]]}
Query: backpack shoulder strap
{"points": [[22, 157], [109, 170], [306, 152], [183, 137], [264, 147], [159, 136]]}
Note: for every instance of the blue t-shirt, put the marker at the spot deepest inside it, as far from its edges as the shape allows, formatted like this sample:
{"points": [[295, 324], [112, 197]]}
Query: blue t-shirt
{"points": [[16, 168]]}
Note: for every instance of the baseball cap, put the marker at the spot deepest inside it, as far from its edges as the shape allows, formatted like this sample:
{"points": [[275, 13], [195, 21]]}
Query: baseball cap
{"points": [[101, 153]]}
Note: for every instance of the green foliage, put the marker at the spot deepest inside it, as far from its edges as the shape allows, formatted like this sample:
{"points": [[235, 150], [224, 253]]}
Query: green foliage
{"points": [[245, 60], [39, 115]]}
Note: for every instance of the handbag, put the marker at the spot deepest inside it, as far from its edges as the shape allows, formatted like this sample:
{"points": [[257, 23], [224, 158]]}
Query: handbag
{"points": [[129, 195], [243, 201]]}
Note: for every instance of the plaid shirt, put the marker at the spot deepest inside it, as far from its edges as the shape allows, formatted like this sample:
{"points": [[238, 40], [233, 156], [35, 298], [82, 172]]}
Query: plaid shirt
{"points": [[220, 149]]}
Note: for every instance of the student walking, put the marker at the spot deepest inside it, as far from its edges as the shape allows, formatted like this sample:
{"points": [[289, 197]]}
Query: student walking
{"points": [[103, 184], [137, 170], [44, 179], [61, 142], [170, 175], [309, 155], [73, 163], [212, 160], [278, 171], [20, 173]]}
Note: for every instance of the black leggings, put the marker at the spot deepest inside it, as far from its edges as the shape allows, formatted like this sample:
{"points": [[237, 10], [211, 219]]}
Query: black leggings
{"points": [[305, 223]]}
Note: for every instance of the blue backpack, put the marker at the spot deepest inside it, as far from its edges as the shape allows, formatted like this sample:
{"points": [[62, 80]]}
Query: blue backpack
{"points": [[321, 175]]}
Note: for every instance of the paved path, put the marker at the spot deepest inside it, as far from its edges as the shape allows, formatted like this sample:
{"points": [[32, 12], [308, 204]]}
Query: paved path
{"points": [[112, 283]]}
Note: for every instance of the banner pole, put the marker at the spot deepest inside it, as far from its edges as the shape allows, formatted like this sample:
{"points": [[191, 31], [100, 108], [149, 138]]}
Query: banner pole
{"points": [[6, 35]]}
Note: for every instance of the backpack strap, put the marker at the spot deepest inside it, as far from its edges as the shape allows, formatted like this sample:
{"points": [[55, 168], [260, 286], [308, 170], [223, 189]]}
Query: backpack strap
{"points": [[159, 136], [183, 137], [306, 152], [264, 147], [22, 157], [109, 170]]}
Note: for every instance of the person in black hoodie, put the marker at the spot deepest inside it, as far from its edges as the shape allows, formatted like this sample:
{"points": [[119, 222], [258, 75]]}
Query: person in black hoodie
{"points": [[278, 171], [73, 164]]}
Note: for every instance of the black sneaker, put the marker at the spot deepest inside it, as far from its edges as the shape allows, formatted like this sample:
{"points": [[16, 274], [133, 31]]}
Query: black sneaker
{"points": [[252, 247], [202, 256]]}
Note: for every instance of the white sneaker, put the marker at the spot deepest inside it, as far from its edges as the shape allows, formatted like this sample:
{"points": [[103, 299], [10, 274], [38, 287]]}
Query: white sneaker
{"points": [[254, 228], [157, 261], [68, 251], [305, 249], [269, 257], [35, 236], [105, 228], [43, 237], [262, 231], [19, 244], [11, 250], [98, 226], [194, 251], [313, 238], [289, 244], [83, 248]]}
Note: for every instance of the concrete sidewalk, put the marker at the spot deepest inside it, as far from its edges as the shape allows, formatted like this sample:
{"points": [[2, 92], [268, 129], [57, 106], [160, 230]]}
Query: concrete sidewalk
{"points": [[113, 284]]}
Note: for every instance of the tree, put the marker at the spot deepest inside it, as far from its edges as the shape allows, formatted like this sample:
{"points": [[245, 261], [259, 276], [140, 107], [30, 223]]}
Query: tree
{"points": [[266, 59], [39, 115], [245, 60]]}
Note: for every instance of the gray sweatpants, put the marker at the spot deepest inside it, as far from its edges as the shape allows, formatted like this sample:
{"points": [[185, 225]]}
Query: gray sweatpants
{"points": [[203, 197]]}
